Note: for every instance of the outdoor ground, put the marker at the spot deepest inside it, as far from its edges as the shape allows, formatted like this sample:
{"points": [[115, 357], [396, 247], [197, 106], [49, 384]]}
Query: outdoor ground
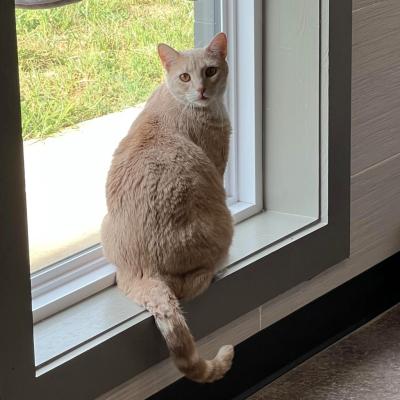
{"points": [[93, 58], [65, 186]]}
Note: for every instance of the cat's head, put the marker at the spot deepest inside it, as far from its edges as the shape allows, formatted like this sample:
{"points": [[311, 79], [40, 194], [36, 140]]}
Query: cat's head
{"points": [[197, 76]]}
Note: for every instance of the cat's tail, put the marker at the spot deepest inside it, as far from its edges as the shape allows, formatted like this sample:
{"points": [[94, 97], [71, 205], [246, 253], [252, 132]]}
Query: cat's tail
{"points": [[161, 302]]}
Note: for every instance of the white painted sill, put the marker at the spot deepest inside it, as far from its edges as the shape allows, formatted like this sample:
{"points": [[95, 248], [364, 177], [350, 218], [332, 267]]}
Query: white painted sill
{"points": [[73, 331]]}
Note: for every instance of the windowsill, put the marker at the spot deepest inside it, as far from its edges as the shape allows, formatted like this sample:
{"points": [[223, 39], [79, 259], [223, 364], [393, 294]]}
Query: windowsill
{"points": [[108, 313]]}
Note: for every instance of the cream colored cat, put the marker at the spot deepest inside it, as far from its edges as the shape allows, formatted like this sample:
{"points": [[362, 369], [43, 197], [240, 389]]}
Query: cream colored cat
{"points": [[168, 226]]}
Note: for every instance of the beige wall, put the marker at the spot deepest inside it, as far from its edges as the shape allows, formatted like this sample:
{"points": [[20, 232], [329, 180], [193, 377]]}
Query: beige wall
{"points": [[375, 187]]}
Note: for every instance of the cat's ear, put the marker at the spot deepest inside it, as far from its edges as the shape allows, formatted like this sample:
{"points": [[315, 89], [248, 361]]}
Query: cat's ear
{"points": [[218, 45], [167, 55]]}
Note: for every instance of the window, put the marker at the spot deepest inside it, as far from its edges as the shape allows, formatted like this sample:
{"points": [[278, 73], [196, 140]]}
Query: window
{"points": [[79, 63], [105, 78], [288, 242], [97, 85]]}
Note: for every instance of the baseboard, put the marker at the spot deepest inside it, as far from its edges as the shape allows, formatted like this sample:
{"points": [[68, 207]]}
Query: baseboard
{"points": [[287, 343]]}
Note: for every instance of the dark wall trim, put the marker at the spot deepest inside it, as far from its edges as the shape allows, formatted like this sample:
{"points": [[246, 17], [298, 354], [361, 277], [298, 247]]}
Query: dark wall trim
{"points": [[282, 346], [15, 309]]}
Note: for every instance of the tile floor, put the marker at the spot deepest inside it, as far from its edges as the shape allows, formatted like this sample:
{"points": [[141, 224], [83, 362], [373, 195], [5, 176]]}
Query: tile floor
{"points": [[363, 366]]}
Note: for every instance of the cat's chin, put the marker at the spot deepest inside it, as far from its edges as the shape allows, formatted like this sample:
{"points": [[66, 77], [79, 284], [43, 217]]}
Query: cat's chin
{"points": [[202, 103]]}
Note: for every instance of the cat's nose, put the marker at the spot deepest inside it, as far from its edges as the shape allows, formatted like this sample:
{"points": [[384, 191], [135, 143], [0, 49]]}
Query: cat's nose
{"points": [[201, 90]]}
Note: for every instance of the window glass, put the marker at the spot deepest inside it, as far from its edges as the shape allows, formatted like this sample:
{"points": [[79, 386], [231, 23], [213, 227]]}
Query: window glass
{"points": [[85, 71]]}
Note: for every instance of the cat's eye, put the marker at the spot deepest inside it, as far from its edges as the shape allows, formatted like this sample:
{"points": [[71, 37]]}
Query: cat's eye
{"points": [[211, 71], [185, 77]]}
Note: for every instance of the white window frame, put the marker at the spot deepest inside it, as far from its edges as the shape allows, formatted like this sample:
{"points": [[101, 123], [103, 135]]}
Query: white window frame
{"points": [[69, 281], [244, 99]]}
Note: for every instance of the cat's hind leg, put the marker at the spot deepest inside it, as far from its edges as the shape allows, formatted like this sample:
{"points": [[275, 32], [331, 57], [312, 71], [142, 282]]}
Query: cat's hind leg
{"points": [[191, 284]]}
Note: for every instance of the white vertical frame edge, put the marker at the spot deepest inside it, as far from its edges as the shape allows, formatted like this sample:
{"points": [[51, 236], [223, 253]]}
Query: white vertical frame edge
{"points": [[245, 104], [324, 108]]}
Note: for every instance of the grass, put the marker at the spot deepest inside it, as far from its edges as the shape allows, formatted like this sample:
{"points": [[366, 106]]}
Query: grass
{"points": [[93, 58]]}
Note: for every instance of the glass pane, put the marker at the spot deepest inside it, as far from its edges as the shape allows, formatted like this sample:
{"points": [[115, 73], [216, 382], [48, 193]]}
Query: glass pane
{"points": [[85, 70]]}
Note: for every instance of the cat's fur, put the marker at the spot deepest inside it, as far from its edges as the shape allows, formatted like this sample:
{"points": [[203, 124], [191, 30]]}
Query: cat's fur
{"points": [[168, 226]]}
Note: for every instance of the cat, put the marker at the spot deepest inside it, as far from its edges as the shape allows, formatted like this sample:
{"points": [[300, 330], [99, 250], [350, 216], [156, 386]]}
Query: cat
{"points": [[168, 227]]}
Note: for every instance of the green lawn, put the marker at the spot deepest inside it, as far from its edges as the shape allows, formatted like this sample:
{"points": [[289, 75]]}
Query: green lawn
{"points": [[93, 58]]}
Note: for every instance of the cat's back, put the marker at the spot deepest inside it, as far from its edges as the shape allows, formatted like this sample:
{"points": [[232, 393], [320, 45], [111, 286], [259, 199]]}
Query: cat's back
{"points": [[156, 164], [152, 133], [153, 139]]}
